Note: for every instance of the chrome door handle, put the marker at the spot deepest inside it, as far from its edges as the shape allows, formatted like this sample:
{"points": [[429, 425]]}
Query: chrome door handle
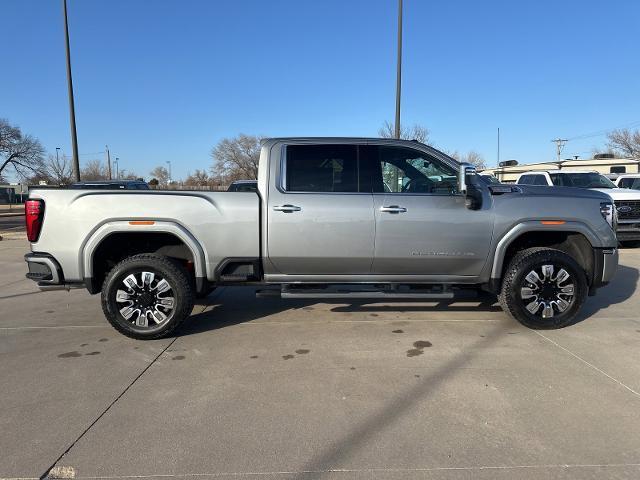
{"points": [[287, 208], [393, 209]]}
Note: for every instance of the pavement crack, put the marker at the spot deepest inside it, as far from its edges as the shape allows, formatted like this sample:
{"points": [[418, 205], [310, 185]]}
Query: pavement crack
{"points": [[115, 400], [622, 384]]}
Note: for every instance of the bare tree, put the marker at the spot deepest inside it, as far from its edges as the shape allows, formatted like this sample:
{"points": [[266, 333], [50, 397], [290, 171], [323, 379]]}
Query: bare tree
{"points": [[199, 179], [472, 157], [59, 169], [624, 143], [95, 170], [414, 132], [237, 158], [161, 174], [23, 152]]}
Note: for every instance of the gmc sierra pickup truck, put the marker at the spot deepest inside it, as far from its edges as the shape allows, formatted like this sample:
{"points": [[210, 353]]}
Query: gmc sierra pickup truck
{"points": [[332, 218]]}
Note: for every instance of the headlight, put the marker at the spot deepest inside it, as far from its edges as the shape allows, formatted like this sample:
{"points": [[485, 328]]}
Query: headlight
{"points": [[609, 213]]}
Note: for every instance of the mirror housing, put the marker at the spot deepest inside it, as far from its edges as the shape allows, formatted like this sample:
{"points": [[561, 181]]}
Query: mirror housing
{"points": [[468, 186]]}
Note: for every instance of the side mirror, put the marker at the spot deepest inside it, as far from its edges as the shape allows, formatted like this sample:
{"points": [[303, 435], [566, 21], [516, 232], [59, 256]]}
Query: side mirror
{"points": [[468, 186]]}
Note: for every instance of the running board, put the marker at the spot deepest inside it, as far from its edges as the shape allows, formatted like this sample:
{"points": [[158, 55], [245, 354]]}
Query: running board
{"points": [[437, 292]]}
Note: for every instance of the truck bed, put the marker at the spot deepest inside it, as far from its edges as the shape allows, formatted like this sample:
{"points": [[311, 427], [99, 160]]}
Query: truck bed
{"points": [[223, 224]]}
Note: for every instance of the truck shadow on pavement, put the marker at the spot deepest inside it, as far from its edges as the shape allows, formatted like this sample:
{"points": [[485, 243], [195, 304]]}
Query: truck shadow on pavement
{"points": [[229, 306], [622, 288]]}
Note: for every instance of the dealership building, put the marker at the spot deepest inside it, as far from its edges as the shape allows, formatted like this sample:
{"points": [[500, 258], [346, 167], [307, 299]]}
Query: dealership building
{"points": [[604, 163]]}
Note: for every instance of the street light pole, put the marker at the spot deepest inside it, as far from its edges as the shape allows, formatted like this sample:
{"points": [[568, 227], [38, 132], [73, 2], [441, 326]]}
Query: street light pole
{"points": [[117, 168], [72, 110], [399, 70], [57, 159], [169, 163]]}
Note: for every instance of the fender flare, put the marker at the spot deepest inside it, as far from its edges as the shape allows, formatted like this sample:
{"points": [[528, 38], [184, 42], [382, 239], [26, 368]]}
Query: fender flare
{"points": [[123, 226], [536, 226]]}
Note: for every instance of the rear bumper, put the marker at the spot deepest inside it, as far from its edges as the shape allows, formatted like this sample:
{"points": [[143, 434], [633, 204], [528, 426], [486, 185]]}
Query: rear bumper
{"points": [[46, 270]]}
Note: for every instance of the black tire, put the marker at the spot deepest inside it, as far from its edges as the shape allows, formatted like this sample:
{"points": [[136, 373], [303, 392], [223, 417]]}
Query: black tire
{"points": [[517, 292], [153, 298]]}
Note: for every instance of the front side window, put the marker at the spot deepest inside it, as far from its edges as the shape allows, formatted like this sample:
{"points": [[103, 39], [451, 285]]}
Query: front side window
{"points": [[404, 170], [322, 168]]}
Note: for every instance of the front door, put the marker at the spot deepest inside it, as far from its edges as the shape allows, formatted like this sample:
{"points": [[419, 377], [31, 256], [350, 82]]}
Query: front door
{"points": [[422, 224], [320, 213]]}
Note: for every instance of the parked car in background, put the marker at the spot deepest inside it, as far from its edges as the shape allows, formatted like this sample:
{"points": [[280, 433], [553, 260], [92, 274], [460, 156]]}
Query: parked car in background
{"points": [[111, 185], [489, 178], [348, 218], [631, 180], [627, 201], [243, 186]]}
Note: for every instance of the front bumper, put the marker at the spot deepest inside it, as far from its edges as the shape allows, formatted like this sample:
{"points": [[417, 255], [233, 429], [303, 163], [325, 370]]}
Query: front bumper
{"points": [[605, 266], [628, 231]]}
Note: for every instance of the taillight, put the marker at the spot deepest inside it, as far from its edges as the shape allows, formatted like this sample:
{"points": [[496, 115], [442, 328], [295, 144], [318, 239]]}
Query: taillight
{"points": [[34, 213]]}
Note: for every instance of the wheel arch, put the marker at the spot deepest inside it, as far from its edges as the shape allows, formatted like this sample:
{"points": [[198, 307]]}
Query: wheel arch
{"points": [[574, 238], [159, 234]]}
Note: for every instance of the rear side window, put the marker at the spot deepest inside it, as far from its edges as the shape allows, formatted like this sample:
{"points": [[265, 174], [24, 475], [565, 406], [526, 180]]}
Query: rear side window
{"points": [[527, 179], [539, 180], [618, 169], [322, 168]]}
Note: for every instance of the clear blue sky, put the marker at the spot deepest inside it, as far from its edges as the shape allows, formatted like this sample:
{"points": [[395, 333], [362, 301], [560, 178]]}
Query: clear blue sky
{"points": [[165, 80]]}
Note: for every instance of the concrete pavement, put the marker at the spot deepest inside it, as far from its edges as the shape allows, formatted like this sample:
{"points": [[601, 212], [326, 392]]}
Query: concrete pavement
{"points": [[267, 388]]}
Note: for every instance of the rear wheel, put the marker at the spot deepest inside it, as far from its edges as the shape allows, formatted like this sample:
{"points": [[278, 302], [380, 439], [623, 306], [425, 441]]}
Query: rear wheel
{"points": [[147, 296], [543, 288]]}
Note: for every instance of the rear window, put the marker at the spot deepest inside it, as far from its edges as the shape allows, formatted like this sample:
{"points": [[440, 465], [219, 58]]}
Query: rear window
{"points": [[322, 168]]}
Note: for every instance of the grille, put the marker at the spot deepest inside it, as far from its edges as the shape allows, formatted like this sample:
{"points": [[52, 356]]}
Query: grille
{"points": [[630, 209]]}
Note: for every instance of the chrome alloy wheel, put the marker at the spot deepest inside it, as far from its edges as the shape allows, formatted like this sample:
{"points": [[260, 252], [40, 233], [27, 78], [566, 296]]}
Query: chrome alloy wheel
{"points": [[545, 293], [146, 297]]}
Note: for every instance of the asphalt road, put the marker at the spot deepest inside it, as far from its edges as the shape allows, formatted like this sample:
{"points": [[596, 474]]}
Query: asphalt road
{"points": [[264, 388], [11, 223]]}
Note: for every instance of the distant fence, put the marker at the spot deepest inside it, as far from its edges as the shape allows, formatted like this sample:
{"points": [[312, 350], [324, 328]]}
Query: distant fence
{"points": [[13, 194]]}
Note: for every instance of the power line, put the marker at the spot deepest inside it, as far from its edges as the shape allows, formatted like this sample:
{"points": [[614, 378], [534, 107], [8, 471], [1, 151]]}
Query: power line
{"points": [[604, 132]]}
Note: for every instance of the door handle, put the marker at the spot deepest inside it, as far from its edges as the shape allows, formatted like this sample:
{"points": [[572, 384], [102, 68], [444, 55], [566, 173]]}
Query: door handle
{"points": [[287, 208], [393, 209]]}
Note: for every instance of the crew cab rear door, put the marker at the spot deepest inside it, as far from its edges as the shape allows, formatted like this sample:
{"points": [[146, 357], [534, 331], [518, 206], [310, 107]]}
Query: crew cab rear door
{"points": [[422, 224], [320, 218]]}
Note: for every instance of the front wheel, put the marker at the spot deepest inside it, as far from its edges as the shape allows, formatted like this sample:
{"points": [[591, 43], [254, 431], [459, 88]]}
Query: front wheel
{"points": [[147, 296], [543, 288]]}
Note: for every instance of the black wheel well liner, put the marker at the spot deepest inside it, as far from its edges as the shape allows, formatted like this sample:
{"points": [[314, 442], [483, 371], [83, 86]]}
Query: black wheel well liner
{"points": [[117, 246], [572, 243]]}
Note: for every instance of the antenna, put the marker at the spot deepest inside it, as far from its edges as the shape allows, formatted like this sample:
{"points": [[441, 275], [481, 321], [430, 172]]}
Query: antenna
{"points": [[559, 145]]}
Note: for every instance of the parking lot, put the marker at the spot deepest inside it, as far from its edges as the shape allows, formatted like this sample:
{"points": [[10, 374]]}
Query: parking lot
{"points": [[268, 388]]}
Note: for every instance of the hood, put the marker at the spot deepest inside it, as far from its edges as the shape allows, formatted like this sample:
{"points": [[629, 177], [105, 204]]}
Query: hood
{"points": [[567, 192], [620, 193]]}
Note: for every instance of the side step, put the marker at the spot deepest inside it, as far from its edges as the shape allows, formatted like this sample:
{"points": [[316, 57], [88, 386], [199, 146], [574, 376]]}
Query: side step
{"points": [[384, 292]]}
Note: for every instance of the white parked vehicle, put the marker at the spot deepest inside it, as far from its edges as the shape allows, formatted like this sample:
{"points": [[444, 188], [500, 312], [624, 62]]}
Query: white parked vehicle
{"points": [[628, 180], [627, 201]]}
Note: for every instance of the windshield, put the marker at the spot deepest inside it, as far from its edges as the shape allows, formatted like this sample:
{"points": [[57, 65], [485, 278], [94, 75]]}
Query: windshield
{"points": [[581, 180]]}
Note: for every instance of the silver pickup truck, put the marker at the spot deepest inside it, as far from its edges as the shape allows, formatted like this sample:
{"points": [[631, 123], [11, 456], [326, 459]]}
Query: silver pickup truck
{"points": [[332, 218]]}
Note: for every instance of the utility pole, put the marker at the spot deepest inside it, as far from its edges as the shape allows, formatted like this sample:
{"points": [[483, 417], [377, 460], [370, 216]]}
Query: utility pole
{"points": [[399, 70], [169, 163], [498, 146], [560, 142], [117, 169], [72, 110], [108, 160]]}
